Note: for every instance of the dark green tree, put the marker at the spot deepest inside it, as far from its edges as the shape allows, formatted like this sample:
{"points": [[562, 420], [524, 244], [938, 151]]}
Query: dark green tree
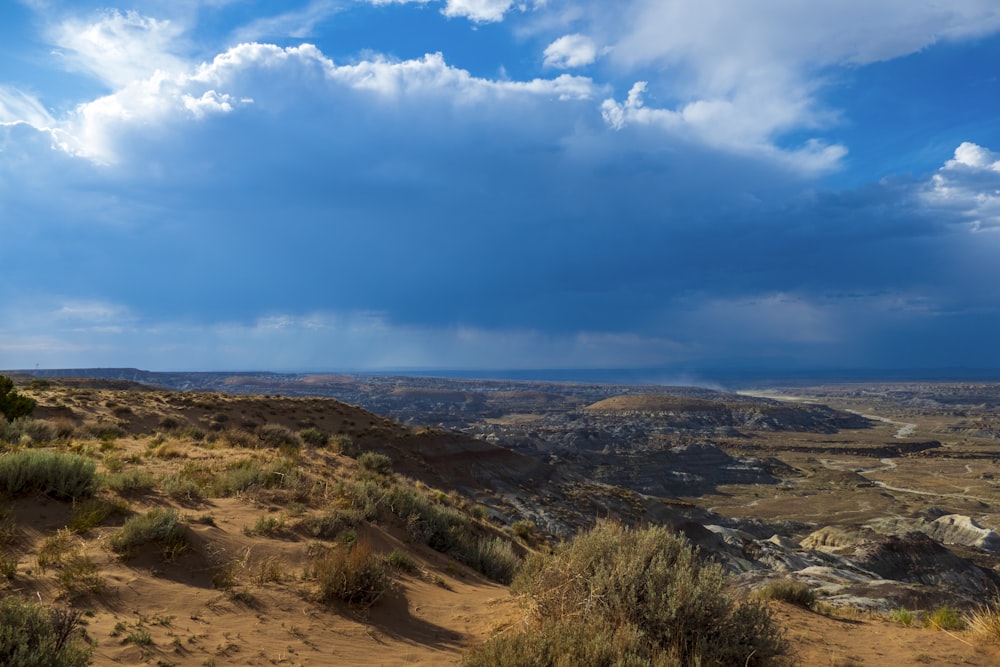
{"points": [[13, 404]]}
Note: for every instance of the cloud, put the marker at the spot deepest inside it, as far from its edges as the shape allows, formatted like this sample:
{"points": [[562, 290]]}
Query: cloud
{"points": [[571, 51], [746, 75], [968, 185], [77, 335], [18, 106], [119, 48], [482, 11], [297, 24], [726, 125], [251, 73]]}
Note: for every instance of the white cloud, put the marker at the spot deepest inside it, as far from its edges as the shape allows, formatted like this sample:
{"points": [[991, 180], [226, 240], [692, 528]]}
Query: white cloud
{"points": [[17, 106], [571, 51], [742, 74], [250, 73], [969, 185], [483, 11], [119, 49], [298, 24], [727, 125]]}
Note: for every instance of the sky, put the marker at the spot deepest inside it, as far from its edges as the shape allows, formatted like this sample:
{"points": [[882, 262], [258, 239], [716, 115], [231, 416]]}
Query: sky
{"points": [[499, 184]]}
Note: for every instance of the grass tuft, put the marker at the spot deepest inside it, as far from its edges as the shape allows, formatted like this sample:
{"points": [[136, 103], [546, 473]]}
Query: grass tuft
{"points": [[159, 525]]}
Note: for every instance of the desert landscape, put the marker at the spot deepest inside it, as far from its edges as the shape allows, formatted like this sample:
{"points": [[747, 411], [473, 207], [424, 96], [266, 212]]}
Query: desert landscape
{"points": [[215, 527]]}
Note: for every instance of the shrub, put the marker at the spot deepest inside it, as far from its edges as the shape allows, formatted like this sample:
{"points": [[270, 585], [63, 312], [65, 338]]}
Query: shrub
{"points": [[496, 559], [278, 437], [61, 476], [12, 404], [331, 523], [8, 566], [93, 512], [130, 482], [351, 574], [402, 562], [26, 430], [343, 444], [235, 437], [248, 474], [79, 575], [789, 590], [313, 437], [441, 527], [570, 642], [646, 587], [378, 464], [945, 618], [903, 616], [160, 525], [55, 548], [180, 487], [32, 635], [266, 526], [101, 431]]}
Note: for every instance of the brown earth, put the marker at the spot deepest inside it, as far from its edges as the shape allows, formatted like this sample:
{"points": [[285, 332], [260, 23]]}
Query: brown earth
{"points": [[270, 614]]}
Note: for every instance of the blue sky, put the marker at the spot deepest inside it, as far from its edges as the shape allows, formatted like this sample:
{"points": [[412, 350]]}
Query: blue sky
{"points": [[454, 184]]}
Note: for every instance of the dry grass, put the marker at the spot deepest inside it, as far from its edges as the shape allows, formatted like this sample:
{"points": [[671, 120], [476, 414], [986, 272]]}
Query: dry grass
{"points": [[984, 623]]}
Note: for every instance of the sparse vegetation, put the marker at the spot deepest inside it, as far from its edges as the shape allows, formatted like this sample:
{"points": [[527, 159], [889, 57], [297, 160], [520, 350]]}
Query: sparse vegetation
{"points": [[93, 512], [984, 622], [378, 464], [945, 618], [35, 636], [61, 476], [642, 592], [352, 574], [130, 482], [162, 526], [791, 591]]}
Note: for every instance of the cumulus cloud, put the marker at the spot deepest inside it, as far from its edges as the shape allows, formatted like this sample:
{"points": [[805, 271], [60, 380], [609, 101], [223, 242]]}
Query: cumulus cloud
{"points": [[570, 51], [969, 185], [746, 74]]}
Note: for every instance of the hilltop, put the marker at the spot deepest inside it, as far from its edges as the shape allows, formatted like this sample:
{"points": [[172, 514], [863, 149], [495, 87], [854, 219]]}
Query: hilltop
{"points": [[267, 486]]}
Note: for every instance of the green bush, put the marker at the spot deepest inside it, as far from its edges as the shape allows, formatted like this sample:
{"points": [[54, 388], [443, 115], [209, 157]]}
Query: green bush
{"points": [[61, 476], [25, 430], [100, 430], [441, 527], [649, 587], [160, 525], [130, 482], [945, 618], [791, 591], [331, 523], [34, 636], [568, 643], [250, 474], [378, 464], [313, 437], [12, 404], [352, 574], [278, 437]]}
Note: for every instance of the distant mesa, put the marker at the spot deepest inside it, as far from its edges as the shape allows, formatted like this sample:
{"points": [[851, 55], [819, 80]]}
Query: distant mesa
{"points": [[653, 403]]}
